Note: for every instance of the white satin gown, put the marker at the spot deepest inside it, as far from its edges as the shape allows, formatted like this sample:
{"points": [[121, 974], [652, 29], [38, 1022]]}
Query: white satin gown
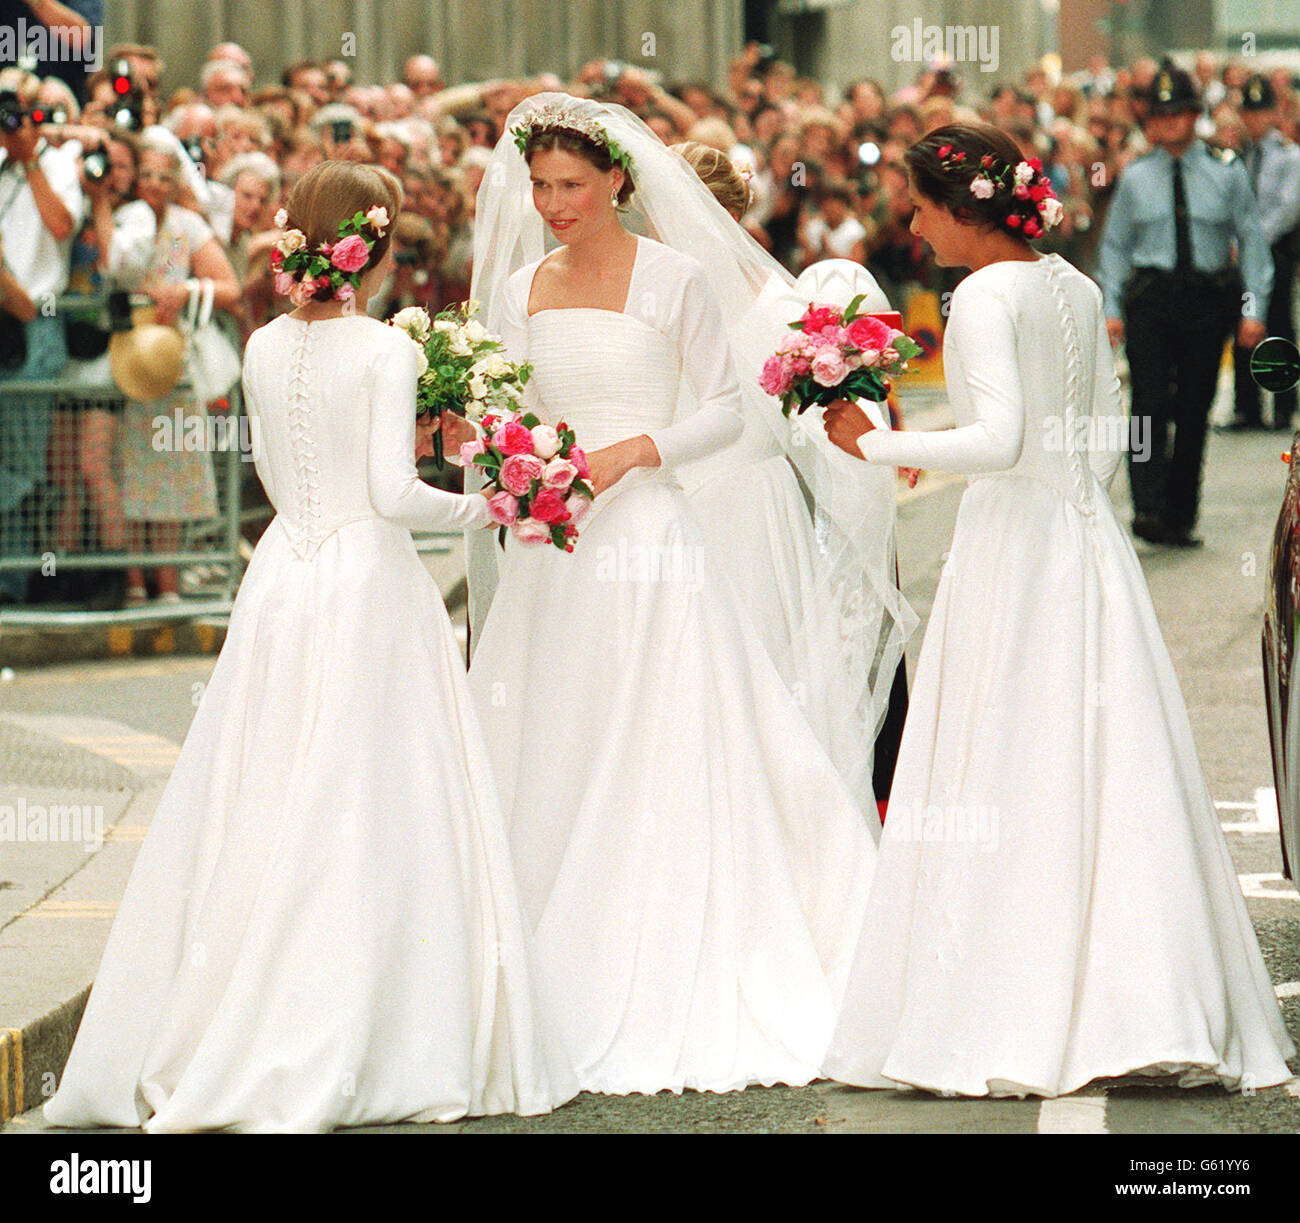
{"points": [[690, 861], [322, 928], [1054, 901]]}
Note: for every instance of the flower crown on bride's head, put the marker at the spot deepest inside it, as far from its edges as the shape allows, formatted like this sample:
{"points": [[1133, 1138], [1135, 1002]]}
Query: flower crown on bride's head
{"points": [[304, 273], [1029, 188], [559, 117]]}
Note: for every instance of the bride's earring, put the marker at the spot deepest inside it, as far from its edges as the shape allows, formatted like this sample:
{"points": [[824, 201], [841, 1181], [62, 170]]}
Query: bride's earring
{"points": [[613, 199]]}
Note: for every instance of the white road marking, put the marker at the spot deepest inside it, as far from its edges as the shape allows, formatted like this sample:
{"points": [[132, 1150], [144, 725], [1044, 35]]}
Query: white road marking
{"points": [[1288, 989], [1255, 885], [1073, 1115], [1261, 813]]}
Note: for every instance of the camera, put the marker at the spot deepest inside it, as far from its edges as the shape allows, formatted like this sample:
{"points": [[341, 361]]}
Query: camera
{"points": [[341, 130], [57, 115], [128, 112], [12, 112], [194, 151], [96, 165]]}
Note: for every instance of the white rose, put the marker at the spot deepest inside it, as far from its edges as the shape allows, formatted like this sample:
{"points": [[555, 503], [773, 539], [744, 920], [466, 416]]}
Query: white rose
{"points": [[475, 332], [496, 366], [446, 326], [1024, 172], [546, 442], [1052, 212], [281, 218], [421, 361], [414, 320], [459, 347], [478, 387], [292, 240]]}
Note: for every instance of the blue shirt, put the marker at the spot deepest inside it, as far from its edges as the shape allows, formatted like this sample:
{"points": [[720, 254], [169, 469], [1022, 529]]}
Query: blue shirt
{"points": [[1273, 169], [1221, 213]]}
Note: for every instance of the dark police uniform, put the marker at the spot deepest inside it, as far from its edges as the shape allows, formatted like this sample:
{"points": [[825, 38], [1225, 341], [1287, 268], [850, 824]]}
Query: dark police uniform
{"points": [[1273, 167], [1166, 267]]}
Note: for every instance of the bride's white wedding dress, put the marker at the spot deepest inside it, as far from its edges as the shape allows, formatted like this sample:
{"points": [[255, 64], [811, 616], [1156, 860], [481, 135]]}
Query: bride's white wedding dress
{"points": [[692, 864], [321, 928], [1054, 900]]}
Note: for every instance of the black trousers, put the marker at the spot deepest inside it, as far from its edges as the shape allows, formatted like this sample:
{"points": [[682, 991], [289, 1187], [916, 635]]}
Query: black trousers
{"points": [[1279, 321], [1175, 327]]}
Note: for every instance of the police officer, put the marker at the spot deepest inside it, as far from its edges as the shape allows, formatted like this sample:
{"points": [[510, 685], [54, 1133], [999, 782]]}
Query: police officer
{"points": [[1273, 166], [1172, 293]]}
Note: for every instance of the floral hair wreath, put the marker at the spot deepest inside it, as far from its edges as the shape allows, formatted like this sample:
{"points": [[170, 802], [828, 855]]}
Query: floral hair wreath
{"points": [[557, 118], [304, 273], [1025, 181]]}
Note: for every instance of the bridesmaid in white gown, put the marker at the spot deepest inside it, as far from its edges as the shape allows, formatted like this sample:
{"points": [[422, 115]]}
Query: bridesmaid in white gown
{"points": [[1054, 901], [690, 860], [321, 928]]}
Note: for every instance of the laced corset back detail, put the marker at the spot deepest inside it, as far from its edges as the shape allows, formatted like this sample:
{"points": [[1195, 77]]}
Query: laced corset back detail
{"points": [[1074, 439]]}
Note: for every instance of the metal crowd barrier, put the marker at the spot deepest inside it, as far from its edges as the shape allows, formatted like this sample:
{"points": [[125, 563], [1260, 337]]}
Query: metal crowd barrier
{"points": [[214, 549]]}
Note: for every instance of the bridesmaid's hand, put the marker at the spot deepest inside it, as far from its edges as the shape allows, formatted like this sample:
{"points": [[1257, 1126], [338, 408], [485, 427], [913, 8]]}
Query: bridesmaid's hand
{"points": [[610, 464], [845, 423]]}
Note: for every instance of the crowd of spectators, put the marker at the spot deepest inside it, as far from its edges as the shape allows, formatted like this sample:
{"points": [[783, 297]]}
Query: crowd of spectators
{"points": [[201, 167]]}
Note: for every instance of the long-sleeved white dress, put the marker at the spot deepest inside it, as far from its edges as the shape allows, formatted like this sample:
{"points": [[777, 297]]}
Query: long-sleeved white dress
{"points": [[322, 928], [693, 865], [1054, 900]]}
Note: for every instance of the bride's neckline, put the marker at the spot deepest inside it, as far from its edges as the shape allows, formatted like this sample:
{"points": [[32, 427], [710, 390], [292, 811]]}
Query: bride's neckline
{"points": [[627, 298]]}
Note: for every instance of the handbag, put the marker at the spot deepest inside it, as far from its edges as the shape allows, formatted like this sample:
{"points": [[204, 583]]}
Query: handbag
{"points": [[211, 360]]}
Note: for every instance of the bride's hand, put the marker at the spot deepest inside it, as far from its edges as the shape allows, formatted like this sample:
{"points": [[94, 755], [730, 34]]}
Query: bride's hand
{"points": [[845, 423], [610, 464], [456, 431]]}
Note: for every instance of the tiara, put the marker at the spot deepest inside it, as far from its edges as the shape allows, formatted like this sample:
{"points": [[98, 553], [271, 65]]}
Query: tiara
{"points": [[555, 116]]}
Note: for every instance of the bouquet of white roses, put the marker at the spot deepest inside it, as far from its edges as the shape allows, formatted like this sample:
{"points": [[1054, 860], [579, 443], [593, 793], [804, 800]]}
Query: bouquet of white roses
{"points": [[462, 366]]}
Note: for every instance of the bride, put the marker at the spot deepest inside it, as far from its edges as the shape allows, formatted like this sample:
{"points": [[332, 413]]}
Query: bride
{"points": [[321, 928], [687, 854], [1054, 901]]}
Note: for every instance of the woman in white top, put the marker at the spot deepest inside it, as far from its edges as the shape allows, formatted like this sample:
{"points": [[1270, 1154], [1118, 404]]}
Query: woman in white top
{"points": [[1054, 902], [321, 928]]}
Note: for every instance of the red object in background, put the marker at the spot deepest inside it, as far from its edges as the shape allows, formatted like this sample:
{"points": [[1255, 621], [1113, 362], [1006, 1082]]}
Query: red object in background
{"points": [[891, 318]]}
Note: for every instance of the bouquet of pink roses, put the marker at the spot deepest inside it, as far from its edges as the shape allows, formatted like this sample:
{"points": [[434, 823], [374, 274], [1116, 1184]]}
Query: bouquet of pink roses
{"points": [[832, 356], [540, 477]]}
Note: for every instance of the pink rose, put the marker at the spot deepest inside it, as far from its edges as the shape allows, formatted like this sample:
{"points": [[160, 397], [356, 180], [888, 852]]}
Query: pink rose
{"points": [[519, 471], [867, 332], [468, 450], [303, 291], [530, 531], [350, 254], [548, 506], [577, 505], [578, 457], [284, 282], [828, 367], [345, 292], [559, 473], [817, 318], [503, 508], [774, 379], [513, 438]]}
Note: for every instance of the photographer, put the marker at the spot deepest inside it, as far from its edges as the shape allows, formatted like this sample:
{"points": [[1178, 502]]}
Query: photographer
{"points": [[40, 206]]}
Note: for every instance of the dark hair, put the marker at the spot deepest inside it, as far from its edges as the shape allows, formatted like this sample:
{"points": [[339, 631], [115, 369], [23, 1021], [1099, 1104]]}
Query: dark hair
{"points": [[569, 141], [943, 164]]}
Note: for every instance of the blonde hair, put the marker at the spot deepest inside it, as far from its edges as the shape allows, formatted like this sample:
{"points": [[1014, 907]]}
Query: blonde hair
{"points": [[332, 191], [719, 174]]}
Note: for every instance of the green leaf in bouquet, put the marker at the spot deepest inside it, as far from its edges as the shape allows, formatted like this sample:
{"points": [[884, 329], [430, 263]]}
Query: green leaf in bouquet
{"points": [[529, 420], [852, 311], [557, 535], [580, 485], [907, 348]]}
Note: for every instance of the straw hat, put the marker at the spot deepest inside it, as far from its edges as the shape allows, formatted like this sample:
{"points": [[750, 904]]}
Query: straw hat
{"points": [[148, 360]]}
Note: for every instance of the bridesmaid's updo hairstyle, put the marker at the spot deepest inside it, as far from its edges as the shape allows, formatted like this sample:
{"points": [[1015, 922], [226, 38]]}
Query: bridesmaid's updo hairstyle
{"points": [[332, 191], [719, 174], [979, 175], [545, 140]]}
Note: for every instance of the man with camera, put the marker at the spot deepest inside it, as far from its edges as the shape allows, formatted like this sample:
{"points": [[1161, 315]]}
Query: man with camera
{"points": [[41, 205]]}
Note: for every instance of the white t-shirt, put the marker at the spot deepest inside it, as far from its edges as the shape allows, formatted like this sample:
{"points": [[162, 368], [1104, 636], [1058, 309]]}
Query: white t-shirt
{"points": [[37, 261]]}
